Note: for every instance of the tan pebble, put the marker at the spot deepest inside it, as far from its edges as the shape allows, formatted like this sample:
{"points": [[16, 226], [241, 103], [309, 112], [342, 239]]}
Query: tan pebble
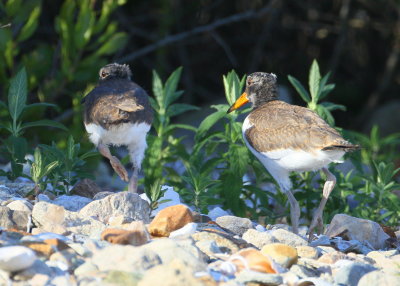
{"points": [[120, 236], [255, 261], [332, 257], [307, 252], [170, 219], [284, 255]]}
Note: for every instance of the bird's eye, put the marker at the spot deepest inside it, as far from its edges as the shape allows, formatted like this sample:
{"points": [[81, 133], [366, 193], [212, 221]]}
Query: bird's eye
{"points": [[249, 82], [103, 74]]}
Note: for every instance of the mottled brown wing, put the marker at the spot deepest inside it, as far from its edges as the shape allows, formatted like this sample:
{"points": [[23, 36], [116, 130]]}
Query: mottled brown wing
{"points": [[116, 103], [278, 125]]}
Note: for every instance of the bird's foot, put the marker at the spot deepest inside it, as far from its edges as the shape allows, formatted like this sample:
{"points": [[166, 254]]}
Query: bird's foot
{"points": [[119, 168], [317, 222]]}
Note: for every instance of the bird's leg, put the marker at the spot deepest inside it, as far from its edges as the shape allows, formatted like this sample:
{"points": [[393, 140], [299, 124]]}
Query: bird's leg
{"points": [[328, 187], [132, 185], [115, 163], [294, 211]]}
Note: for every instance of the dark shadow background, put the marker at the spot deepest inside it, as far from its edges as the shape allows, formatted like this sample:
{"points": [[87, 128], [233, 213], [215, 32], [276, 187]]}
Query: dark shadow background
{"points": [[357, 40]]}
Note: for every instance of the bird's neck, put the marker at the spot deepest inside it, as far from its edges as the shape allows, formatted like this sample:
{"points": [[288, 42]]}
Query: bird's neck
{"points": [[264, 97]]}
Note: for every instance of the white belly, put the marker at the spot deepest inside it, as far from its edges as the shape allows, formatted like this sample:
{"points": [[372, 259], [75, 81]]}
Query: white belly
{"points": [[280, 163], [131, 135], [124, 134]]}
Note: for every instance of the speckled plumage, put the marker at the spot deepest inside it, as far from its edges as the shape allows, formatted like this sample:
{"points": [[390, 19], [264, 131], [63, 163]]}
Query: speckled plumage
{"points": [[118, 112]]}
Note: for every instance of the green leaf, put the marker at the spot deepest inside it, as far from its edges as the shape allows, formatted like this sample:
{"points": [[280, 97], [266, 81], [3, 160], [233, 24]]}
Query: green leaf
{"points": [[314, 80], [208, 122], [44, 122], [49, 168], [333, 106], [41, 104], [115, 43], [326, 115], [158, 89], [17, 94], [181, 126], [179, 108], [171, 85], [300, 89], [326, 90], [89, 154], [29, 28]]}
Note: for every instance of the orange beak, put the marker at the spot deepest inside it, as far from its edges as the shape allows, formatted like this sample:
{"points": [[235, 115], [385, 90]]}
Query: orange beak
{"points": [[242, 100]]}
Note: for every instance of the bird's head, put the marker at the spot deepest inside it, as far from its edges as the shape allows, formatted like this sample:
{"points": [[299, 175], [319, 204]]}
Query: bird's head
{"points": [[113, 71], [261, 88]]}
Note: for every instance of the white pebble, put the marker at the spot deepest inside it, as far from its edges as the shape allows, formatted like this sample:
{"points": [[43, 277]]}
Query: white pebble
{"points": [[16, 258], [217, 212], [185, 231]]}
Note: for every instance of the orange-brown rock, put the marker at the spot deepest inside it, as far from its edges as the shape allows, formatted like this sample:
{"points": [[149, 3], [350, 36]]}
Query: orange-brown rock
{"points": [[57, 243], [255, 260], [136, 237], [40, 247], [170, 219], [284, 255]]}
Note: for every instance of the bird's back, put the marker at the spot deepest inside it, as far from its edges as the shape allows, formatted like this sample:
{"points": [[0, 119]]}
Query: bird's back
{"points": [[279, 125], [117, 101]]}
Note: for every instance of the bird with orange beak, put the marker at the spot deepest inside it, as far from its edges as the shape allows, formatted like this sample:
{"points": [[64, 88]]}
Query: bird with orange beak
{"points": [[288, 138]]}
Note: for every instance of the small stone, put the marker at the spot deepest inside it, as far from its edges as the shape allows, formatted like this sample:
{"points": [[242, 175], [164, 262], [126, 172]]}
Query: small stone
{"points": [[357, 229], [118, 220], [124, 203], [40, 279], [282, 254], [102, 195], [303, 272], [387, 264], [169, 249], [200, 218], [350, 274], [86, 188], [68, 257], [125, 258], [209, 247], [115, 277], [258, 239], [121, 236], [325, 249], [226, 244], [380, 278], [38, 267], [287, 237], [72, 203], [235, 224], [184, 232], [307, 252], [20, 205], [332, 257], [13, 219], [248, 276], [86, 268], [170, 219], [217, 212], [255, 260], [170, 274], [16, 258], [46, 214]]}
